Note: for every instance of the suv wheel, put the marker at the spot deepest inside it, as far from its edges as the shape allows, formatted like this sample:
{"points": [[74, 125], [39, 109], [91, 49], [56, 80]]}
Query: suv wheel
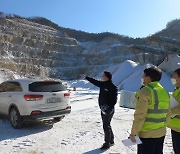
{"points": [[15, 118]]}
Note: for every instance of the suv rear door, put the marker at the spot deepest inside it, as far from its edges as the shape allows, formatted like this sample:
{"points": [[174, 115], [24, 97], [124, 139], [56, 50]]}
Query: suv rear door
{"points": [[54, 95]]}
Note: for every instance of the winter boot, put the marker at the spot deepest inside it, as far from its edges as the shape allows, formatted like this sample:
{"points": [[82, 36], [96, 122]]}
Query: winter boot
{"points": [[105, 146]]}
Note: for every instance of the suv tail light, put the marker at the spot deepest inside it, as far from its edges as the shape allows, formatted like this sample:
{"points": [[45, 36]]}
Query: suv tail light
{"points": [[66, 94], [34, 97]]}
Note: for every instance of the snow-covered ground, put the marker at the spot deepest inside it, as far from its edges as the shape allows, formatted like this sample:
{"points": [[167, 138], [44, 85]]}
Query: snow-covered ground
{"points": [[80, 132]]}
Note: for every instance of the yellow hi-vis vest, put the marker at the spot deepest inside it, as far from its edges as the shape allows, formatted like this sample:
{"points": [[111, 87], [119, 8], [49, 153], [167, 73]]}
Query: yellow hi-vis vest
{"points": [[158, 109], [175, 121]]}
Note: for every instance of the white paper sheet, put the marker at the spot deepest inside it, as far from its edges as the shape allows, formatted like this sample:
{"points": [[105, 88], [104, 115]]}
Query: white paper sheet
{"points": [[128, 142]]}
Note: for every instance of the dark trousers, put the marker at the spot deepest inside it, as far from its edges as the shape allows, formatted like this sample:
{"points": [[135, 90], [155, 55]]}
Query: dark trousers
{"points": [[108, 133], [151, 146], [176, 141]]}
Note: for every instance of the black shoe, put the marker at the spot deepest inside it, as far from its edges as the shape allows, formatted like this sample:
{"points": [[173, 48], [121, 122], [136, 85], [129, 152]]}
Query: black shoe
{"points": [[105, 146], [111, 143]]}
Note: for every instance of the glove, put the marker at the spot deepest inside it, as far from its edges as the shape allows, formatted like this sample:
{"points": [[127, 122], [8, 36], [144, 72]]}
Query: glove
{"points": [[105, 109]]}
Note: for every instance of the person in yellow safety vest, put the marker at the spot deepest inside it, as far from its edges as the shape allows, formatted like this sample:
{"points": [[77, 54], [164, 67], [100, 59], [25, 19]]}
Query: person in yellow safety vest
{"points": [[174, 122], [151, 113]]}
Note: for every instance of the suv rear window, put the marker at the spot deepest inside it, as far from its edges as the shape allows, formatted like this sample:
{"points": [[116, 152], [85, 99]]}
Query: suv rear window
{"points": [[46, 86]]}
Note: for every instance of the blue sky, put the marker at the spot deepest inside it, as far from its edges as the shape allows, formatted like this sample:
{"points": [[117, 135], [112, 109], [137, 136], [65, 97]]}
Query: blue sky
{"points": [[134, 18]]}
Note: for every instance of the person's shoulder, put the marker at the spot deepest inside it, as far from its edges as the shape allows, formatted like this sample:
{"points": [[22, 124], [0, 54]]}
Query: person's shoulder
{"points": [[144, 95], [113, 85], [145, 91]]}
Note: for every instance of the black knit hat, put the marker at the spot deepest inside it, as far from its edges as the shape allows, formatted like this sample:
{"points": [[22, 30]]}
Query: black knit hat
{"points": [[108, 75]]}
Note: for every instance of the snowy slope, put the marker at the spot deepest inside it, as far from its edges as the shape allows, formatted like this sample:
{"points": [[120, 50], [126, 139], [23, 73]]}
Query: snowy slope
{"points": [[123, 70], [133, 82], [7, 74], [127, 76], [171, 64]]}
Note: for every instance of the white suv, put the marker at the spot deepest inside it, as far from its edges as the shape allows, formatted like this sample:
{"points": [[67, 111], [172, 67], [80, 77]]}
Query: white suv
{"points": [[26, 100]]}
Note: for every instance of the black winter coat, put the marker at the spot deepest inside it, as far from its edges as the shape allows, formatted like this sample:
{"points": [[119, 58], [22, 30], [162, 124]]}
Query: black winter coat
{"points": [[108, 92]]}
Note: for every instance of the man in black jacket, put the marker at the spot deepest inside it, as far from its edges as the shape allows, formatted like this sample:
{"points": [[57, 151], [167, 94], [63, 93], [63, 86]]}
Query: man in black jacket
{"points": [[107, 100]]}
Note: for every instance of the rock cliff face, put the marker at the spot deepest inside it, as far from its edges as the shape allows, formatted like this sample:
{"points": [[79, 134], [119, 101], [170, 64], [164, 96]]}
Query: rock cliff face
{"points": [[29, 47], [172, 30], [33, 48]]}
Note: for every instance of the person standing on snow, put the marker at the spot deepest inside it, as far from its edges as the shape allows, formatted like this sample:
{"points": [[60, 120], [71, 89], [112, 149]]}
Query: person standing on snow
{"points": [[174, 123], [151, 113], [107, 100]]}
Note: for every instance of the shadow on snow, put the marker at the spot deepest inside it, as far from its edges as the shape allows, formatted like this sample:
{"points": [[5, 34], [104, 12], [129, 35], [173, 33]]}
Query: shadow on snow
{"points": [[8, 132]]}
